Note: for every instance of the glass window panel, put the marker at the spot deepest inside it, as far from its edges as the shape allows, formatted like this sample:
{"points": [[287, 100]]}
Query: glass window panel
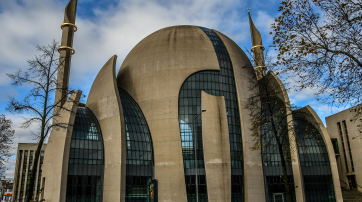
{"points": [[139, 149], [315, 164], [82, 175], [210, 82], [272, 162]]}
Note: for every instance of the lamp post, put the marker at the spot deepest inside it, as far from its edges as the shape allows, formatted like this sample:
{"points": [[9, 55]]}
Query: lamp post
{"points": [[195, 148]]}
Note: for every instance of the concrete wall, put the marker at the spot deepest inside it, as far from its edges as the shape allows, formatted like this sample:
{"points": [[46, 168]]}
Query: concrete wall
{"points": [[104, 101], [216, 145], [333, 131], [355, 140], [55, 167], [16, 185]]}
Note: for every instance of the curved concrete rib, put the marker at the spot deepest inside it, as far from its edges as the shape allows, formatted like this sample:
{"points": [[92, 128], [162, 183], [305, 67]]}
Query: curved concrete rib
{"points": [[216, 145], [277, 85], [307, 114], [55, 168], [245, 77], [104, 101]]}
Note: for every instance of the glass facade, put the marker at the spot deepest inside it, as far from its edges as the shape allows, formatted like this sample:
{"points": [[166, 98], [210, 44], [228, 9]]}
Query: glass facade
{"points": [[272, 164], [314, 160], [335, 145], [86, 159], [218, 83], [139, 149]]}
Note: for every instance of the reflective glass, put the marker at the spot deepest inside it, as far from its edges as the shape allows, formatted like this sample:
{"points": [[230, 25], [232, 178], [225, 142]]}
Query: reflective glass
{"points": [[86, 160], [218, 83], [139, 150], [314, 160], [272, 164], [335, 145]]}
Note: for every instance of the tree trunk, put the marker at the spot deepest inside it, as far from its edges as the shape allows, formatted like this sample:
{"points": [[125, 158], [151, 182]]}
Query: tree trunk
{"points": [[29, 191], [285, 175]]}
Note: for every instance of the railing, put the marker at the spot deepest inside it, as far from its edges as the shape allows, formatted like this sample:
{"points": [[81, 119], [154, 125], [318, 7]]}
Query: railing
{"points": [[346, 185], [22, 200]]}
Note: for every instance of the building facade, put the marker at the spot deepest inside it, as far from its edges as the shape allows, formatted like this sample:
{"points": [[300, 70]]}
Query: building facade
{"points": [[346, 136], [23, 167], [175, 117]]}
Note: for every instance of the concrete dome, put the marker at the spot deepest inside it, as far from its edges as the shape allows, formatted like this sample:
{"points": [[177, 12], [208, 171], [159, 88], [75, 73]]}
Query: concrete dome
{"points": [[153, 73], [168, 56]]}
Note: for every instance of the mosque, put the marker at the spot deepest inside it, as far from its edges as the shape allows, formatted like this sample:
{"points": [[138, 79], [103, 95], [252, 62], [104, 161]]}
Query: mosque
{"points": [[173, 125]]}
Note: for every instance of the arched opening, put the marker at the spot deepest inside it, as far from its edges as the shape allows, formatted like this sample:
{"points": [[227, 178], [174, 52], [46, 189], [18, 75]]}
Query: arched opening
{"points": [[86, 159]]}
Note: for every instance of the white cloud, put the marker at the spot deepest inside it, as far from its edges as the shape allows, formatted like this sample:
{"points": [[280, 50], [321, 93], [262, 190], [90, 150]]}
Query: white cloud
{"points": [[302, 95], [115, 30], [118, 30], [263, 23], [24, 26], [7, 91], [10, 168], [306, 97]]}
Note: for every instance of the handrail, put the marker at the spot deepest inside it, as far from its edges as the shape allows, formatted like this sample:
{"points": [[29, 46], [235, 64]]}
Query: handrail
{"points": [[344, 183], [348, 184]]}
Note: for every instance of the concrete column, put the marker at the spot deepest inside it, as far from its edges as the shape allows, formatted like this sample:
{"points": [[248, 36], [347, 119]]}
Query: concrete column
{"points": [[244, 74], [104, 101], [216, 145], [16, 185], [65, 56], [55, 167]]}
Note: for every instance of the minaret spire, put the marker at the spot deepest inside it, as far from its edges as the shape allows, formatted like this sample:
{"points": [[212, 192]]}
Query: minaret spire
{"points": [[257, 49], [65, 51]]}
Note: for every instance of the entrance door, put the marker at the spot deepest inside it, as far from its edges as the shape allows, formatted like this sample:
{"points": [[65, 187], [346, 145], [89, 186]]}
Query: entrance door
{"points": [[352, 181], [278, 197]]}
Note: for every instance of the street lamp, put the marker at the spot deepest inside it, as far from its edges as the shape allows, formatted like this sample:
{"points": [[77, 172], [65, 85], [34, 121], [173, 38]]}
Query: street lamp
{"points": [[196, 162]]}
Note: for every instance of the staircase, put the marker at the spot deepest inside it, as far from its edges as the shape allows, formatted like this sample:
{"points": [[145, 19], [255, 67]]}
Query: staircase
{"points": [[352, 195]]}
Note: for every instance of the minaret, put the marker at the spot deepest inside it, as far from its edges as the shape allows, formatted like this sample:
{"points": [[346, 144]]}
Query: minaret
{"points": [[257, 49], [66, 51]]}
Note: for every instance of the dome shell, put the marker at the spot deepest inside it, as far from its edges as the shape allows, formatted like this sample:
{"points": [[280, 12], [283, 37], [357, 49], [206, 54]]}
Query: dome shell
{"points": [[153, 73], [168, 56]]}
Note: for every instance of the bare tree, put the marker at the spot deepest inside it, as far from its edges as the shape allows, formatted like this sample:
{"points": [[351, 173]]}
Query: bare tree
{"points": [[356, 113], [39, 104], [272, 126], [6, 141], [320, 43]]}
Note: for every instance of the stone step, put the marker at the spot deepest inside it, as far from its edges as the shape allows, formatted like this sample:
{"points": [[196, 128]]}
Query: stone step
{"points": [[351, 195]]}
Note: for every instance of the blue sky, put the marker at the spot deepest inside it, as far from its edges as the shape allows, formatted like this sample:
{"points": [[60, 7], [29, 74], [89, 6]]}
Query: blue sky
{"points": [[111, 27]]}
